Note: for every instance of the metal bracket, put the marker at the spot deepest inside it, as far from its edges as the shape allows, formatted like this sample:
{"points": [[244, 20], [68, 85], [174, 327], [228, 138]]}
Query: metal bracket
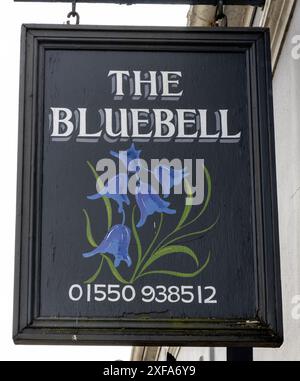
{"points": [[73, 13], [220, 17], [256, 3]]}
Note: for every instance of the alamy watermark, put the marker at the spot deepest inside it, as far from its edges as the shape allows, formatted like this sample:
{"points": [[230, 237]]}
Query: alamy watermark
{"points": [[160, 176], [296, 47], [296, 307]]}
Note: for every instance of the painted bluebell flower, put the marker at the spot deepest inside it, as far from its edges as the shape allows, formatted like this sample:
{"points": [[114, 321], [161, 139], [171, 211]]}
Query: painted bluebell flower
{"points": [[115, 242], [115, 189], [174, 176], [150, 203], [132, 154]]}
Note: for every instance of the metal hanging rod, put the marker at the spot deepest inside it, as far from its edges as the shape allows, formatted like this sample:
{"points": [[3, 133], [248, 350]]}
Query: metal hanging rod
{"points": [[73, 13], [257, 3], [220, 16]]}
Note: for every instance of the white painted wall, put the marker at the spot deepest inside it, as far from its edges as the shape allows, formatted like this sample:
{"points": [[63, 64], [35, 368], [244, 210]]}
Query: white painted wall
{"points": [[286, 88]]}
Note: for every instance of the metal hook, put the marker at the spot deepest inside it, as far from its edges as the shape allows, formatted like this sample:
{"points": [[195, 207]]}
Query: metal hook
{"points": [[73, 13], [220, 17]]}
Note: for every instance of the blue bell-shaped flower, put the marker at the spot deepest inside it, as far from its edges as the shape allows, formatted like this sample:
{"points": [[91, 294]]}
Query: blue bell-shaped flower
{"points": [[169, 177], [115, 242], [131, 154], [150, 203], [115, 189]]}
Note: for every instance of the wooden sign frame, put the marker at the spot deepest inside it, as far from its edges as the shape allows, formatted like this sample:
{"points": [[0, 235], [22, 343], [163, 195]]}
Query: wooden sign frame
{"points": [[264, 329]]}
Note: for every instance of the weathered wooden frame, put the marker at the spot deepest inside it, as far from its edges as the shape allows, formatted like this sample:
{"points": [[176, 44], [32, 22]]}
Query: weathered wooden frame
{"points": [[264, 329]]}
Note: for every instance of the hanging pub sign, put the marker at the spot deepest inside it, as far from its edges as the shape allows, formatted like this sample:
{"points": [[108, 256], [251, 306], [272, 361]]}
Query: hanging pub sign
{"points": [[146, 208]]}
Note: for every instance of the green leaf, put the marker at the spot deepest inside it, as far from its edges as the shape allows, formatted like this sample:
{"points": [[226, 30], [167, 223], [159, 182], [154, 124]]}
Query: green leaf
{"points": [[93, 243], [181, 225], [193, 234], [89, 234], [105, 199], [136, 235], [178, 274], [114, 271], [138, 245], [207, 200], [175, 249], [208, 197], [143, 257], [187, 208], [93, 278], [155, 236]]}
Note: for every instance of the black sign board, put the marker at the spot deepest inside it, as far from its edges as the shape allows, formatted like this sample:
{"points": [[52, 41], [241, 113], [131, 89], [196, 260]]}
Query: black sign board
{"points": [[147, 209]]}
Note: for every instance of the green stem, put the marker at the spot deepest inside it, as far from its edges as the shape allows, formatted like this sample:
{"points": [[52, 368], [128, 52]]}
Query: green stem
{"points": [[88, 230], [191, 234], [149, 248], [114, 271], [164, 239], [105, 199], [138, 244], [97, 273], [208, 197], [177, 274], [156, 235], [203, 209]]}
